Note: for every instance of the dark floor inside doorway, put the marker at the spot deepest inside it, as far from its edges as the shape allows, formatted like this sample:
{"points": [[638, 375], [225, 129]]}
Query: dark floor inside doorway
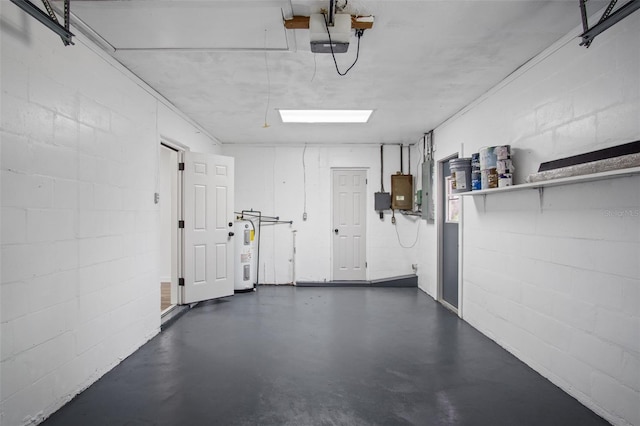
{"points": [[322, 356]]}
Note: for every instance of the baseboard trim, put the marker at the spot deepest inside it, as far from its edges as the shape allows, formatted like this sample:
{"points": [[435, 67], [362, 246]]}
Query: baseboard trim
{"points": [[403, 281], [172, 315]]}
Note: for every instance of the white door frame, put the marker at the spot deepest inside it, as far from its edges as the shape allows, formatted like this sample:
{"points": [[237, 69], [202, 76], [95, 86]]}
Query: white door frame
{"points": [[176, 206], [180, 148], [440, 211], [367, 208]]}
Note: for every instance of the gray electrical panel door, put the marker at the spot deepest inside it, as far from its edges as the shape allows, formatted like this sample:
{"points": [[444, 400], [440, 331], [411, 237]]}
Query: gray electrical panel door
{"points": [[449, 245], [427, 191]]}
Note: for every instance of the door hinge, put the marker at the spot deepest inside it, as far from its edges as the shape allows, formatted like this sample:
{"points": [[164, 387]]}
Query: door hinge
{"points": [[366, 181], [180, 166], [365, 265], [181, 282], [181, 224]]}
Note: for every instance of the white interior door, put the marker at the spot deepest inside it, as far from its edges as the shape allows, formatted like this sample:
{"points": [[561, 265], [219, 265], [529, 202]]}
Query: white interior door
{"points": [[349, 225], [208, 227]]}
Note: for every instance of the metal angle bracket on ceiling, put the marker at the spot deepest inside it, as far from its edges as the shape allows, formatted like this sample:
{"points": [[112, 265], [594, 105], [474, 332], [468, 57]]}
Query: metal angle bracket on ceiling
{"points": [[49, 20], [607, 20]]}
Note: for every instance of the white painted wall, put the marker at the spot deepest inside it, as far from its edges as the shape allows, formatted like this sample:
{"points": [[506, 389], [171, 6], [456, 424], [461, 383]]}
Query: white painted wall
{"points": [[271, 179], [556, 281], [175, 129], [425, 252], [80, 148], [80, 231]]}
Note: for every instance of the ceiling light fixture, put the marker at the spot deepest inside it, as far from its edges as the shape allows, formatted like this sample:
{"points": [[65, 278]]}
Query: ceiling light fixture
{"points": [[325, 115]]}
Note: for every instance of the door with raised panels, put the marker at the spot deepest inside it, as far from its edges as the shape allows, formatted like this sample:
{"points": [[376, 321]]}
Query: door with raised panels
{"points": [[207, 266], [349, 224]]}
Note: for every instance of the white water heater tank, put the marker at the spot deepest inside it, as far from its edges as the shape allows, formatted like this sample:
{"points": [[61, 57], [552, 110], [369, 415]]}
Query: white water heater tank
{"points": [[245, 262]]}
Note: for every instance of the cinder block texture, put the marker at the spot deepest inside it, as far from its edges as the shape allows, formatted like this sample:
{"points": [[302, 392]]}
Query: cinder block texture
{"points": [[79, 291], [569, 257]]}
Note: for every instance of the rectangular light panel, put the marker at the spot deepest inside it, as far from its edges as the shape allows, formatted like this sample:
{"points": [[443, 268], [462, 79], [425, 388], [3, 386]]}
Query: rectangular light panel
{"points": [[325, 115]]}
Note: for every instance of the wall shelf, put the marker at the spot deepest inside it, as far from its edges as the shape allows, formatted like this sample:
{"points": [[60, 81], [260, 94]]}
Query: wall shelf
{"points": [[557, 182]]}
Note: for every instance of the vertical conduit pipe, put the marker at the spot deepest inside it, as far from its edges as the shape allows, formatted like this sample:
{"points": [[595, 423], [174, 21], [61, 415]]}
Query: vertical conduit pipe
{"points": [[381, 169], [424, 148]]}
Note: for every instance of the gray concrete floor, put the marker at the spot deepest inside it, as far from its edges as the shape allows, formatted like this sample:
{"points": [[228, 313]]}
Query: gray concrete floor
{"points": [[322, 356]]}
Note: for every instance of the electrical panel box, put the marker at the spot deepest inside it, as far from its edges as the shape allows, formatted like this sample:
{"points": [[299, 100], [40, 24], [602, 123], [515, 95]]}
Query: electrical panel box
{"points": [[382, 201], [402, 192], [427, 191]]}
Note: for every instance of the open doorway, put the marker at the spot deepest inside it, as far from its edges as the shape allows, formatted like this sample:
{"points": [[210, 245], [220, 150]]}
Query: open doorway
{"points": [[195, 192], [168, 202]]}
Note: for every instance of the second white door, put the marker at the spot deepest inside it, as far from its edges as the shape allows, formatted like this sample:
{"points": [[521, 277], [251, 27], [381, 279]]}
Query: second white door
{"points": [[349, 225]]}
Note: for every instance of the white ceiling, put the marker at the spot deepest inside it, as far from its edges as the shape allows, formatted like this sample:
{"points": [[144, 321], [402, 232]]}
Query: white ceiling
{"points": [[227, 63]]}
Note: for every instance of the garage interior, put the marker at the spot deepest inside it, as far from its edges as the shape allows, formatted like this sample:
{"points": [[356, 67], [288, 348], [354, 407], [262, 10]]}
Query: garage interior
{"points": [[519, 303]]}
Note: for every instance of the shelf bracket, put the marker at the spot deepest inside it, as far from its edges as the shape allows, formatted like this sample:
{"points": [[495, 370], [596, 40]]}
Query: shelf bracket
{"points": [[484, 203]]}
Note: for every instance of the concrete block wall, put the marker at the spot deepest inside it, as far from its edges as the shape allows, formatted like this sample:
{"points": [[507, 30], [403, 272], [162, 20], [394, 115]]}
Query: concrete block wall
{"points": [[426, 249], [79, 268], [271, 179], [555, 278]]}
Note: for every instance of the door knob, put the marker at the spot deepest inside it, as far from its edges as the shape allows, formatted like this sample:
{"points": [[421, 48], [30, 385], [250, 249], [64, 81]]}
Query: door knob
{"points": [[231, 234], [336, 231]]}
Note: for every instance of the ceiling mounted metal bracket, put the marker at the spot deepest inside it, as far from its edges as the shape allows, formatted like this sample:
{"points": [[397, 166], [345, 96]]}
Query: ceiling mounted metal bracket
{"points": [[52, 15], [49, 20], [607, 20]]}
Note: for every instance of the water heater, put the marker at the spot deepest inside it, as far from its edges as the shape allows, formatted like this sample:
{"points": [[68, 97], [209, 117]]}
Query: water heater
{"points": [[245, 262], [401, 192]]}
